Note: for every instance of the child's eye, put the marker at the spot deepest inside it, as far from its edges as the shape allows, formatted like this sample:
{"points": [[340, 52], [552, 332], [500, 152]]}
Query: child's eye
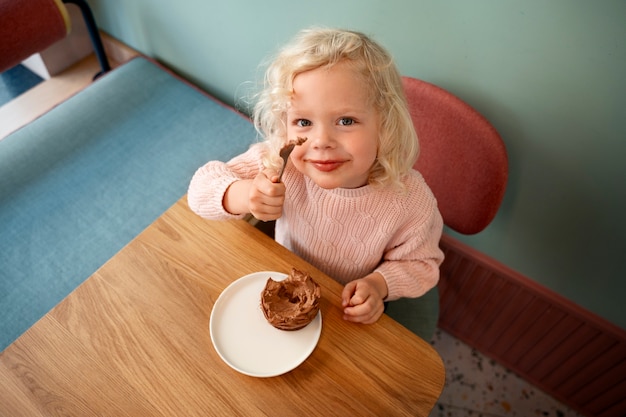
{"points": [[303, 122], [346, 121]]}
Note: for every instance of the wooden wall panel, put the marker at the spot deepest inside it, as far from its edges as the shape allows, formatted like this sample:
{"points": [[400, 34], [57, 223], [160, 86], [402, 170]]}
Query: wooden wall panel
{"points": [[567, 351]]}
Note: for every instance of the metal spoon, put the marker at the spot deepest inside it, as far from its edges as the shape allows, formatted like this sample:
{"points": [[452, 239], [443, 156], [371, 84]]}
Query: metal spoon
{"points": [[285, 151]]}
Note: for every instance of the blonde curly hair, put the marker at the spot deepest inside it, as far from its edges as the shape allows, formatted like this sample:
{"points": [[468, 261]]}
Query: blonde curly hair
{"points": [[316, 47]]}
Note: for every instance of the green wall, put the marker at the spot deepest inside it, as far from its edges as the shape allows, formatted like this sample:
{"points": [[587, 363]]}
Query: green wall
{"points": [[549, 75]]}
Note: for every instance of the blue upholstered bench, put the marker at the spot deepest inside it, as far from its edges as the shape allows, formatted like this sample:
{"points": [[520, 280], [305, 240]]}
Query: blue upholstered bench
{"points": [[84, 179]]}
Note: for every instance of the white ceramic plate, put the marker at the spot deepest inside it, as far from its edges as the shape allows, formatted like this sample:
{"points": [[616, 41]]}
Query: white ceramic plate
{"points": [[246, 341]]}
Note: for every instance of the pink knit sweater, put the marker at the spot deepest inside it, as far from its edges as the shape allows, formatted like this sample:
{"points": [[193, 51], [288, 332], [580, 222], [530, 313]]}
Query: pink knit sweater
{"points": [[347, 233]]}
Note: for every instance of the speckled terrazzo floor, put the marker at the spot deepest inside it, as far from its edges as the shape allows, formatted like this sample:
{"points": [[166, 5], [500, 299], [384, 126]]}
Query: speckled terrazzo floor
{"points": [[478, 386]]}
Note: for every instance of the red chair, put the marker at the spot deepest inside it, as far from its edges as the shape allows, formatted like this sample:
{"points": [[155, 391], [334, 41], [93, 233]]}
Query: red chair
{"points": [[464, 161], [30, 26], [462, 156]]}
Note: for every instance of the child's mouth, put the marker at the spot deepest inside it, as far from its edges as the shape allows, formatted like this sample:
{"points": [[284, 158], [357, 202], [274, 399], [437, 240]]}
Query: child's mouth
{"points": [[326, 166]]}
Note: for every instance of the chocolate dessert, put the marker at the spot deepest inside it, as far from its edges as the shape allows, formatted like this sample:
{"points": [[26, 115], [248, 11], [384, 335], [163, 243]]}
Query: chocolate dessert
{"points": [[293, 303]]}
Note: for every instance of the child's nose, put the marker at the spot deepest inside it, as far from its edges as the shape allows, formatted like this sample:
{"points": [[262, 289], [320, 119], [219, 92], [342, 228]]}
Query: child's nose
{"points": [[322, 138]]}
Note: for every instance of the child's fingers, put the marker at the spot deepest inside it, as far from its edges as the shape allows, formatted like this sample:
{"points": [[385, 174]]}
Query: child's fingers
{"points": [[266, 183], [353, 313], [357, 298], [359, 292], [366, 313], [363, 313], [271, 175], [347, 293]]}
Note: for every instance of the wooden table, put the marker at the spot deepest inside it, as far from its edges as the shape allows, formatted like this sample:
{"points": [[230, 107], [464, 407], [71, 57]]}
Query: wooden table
{"points": [[133, 340]]}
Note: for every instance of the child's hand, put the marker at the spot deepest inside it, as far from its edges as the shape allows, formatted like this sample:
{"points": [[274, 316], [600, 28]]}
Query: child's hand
{"points": [[266, 196], [362, 299]]}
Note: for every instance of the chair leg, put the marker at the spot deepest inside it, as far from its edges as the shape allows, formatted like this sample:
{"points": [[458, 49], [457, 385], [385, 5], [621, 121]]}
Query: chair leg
{"points": [[96, 41]]}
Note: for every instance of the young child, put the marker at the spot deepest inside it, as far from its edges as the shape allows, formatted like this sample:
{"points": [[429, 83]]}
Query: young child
{"points": [[349, 201]]}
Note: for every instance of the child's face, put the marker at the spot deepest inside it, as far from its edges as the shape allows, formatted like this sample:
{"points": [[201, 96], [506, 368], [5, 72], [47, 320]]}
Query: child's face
{"points": [[331, 108]]}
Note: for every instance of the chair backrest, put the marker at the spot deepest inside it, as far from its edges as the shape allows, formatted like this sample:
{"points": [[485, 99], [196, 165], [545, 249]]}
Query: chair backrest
{"points": [[462, 156], [28, 27]]}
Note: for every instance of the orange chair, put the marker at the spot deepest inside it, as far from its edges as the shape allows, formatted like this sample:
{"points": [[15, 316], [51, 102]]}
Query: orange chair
{"points": [[464, 161], [30, 26]]}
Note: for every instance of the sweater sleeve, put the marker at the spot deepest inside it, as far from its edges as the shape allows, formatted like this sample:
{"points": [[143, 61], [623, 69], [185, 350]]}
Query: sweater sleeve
{"points": [[411, 264], [210, 182]]}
